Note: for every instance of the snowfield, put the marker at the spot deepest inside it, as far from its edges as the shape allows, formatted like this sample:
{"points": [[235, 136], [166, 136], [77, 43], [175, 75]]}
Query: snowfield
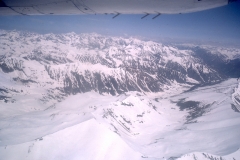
{"points": [[88, 96], [129, 126]]}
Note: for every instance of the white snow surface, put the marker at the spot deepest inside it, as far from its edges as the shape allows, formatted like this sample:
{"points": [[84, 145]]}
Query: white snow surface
{"points": [[40, 122], [129, 126]]}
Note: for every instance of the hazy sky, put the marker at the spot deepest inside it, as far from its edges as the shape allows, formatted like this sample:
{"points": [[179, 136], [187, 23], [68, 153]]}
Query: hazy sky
{"points": [[220, 25]]}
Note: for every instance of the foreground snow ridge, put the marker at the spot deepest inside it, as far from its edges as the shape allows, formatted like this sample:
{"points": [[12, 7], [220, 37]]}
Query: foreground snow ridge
{"points": [[128, 126]]}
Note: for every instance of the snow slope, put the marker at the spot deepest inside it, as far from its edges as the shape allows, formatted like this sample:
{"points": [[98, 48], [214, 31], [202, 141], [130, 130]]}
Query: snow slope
{"points": [[133, 125], [87, 140], [90, 96]]}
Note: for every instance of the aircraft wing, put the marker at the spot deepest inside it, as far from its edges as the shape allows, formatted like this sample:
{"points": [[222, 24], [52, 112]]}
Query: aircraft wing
{"points": [[75, 7]]}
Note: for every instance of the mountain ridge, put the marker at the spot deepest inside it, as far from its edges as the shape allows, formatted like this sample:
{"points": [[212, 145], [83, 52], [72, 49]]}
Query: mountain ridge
{"points": [[126, 64]]}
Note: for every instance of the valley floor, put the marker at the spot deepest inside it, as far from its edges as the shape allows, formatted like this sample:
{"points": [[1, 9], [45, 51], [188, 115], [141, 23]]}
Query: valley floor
{"points": [[200, 124]]}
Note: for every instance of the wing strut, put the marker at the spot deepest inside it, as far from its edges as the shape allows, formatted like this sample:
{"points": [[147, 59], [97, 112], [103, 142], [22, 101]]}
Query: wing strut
{"points": [[147, 14], [116, 15], [156, 15]]}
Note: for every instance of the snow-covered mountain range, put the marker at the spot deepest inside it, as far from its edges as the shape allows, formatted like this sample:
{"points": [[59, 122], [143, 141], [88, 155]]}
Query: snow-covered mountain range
{"points": [[158, 101], [91, 62]]}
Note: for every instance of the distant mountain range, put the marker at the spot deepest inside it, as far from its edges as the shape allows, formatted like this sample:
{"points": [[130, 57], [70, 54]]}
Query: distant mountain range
{"points": [[113, 65]]}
